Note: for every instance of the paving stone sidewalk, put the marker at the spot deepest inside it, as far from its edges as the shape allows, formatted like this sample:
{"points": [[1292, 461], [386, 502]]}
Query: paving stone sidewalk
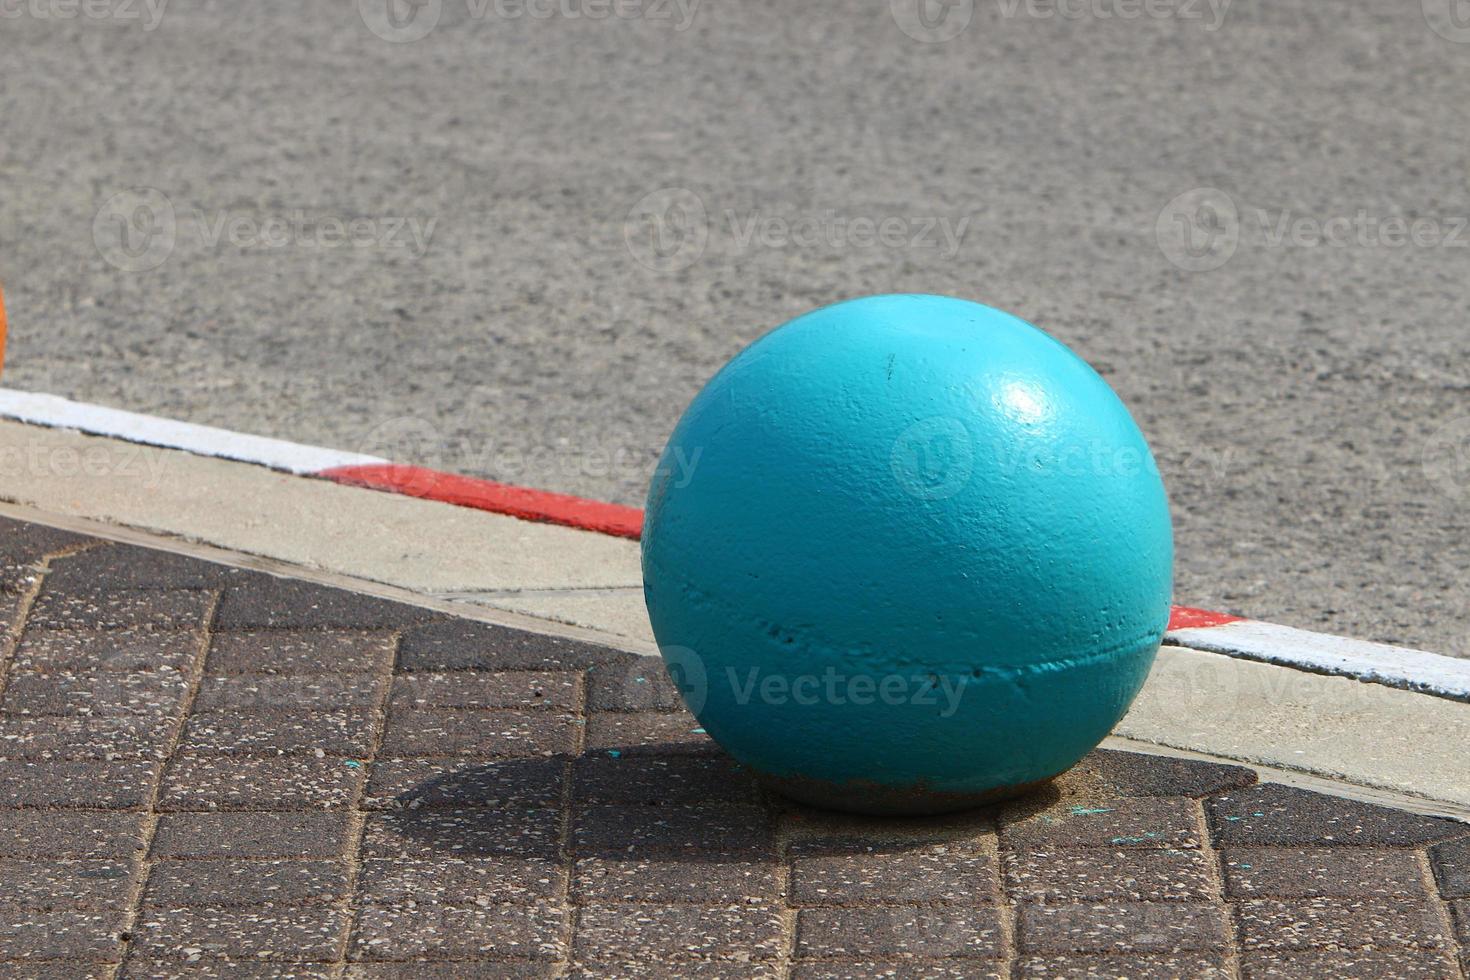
{"points": [[211, 771]]}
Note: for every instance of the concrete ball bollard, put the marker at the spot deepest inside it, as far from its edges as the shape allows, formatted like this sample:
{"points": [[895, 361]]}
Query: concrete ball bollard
{"points": [[907, 554]]}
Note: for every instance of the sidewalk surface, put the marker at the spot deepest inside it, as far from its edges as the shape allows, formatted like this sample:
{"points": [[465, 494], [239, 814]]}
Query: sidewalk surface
{"points": [[204, 764]]}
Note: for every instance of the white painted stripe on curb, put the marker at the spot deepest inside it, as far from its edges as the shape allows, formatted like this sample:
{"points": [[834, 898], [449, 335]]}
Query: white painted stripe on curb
{"points": [[1322, 653], [203, 440]]}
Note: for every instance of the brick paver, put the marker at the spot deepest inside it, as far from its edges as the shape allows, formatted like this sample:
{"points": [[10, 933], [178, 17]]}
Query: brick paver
{"points": [[210, 771]]}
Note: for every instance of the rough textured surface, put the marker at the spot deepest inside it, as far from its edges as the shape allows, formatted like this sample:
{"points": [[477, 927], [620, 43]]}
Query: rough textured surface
{"points": [[285, 838], [924, 560], [1292, 394]]}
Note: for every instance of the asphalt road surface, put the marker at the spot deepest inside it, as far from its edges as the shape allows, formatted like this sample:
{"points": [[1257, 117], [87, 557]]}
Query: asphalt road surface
{"points": [[514, 238]]}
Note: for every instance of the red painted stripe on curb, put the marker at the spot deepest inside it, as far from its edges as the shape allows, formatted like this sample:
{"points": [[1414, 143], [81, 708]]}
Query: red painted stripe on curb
{"points": [[1186, 618], [499, 498], [577, 512]]}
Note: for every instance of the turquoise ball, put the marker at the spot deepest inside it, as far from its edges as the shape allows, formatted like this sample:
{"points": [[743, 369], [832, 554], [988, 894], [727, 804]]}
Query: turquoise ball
{"points": [[907, 554]]}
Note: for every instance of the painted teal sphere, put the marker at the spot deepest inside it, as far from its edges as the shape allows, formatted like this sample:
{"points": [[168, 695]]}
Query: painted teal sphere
{"points": [[907, 554]]}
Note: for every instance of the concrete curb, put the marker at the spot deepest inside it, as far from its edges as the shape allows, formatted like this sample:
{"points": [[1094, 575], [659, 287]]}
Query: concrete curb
{"points": [[557, 579], [1200, 629]]}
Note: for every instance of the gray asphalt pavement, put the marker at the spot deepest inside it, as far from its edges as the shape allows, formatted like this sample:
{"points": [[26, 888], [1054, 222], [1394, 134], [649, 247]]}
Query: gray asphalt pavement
{"points": [[513, 239]]}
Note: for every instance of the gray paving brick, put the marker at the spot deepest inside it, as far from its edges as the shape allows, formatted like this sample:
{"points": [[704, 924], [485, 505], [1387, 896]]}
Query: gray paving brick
{"points": [[648, 733], [813, 831], [481, 689], [1272, 814], [671, 882], [923, 875], [16, 577], [446, 932], [295, 933], [898, 931], [56, 970], [1451, 863], [90, 785], [1400, 964], [196, 967], [83, 737], [82, 650], [310, 652], [460, 970], [661, 779], [1460, 920], [612, 830], [456, 644], [27, 541], [268, 602], [156, 693], [61, 933], [119, 609], [10, 602], [1122, 927], [1104, 874], [1306, 872], [911, 969], [1125, 822], [291, 782], [480, 733], [242, 835], [677, 932], [436, 833], [460, 881], [226, 882], [56, 884], [408, 783], [1109, 773], [290, 693], [642, 684], [1337, 923], [79, 834], [674, 865], [121, 566], [334, 733], [1196, 966]]}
